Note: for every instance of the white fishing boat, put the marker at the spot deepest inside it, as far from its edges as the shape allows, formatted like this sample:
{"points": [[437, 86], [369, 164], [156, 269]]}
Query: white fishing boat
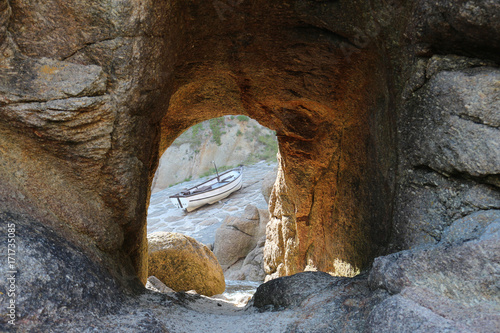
{"points": [[210, 191]]}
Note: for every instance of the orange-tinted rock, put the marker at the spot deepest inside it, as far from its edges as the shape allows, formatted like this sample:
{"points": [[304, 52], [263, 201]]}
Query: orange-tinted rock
{"points": [[184, 264], [95, 95]]}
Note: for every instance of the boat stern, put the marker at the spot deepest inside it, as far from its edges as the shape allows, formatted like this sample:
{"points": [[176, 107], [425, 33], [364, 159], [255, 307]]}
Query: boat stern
{"points": [[179, 202]]}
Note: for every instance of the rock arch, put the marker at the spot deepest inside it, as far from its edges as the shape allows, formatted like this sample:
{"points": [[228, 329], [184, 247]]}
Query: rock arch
{"points": [[379, 122], [86, 116]]}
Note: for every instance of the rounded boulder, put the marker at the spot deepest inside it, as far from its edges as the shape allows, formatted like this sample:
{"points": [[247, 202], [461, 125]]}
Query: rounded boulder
{"points": [[183, 264]]}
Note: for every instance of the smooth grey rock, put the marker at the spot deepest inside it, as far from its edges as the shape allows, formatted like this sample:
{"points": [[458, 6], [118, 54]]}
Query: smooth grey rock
{"points": [[250, 268], [400, 315], [449, 148], [429, 202], [455, 122], [334, 304], [424, 311], [449, 287]]}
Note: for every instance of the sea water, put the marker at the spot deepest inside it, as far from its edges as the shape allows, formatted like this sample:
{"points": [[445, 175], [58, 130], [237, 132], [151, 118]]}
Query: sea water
{"points": [[239, 292]]}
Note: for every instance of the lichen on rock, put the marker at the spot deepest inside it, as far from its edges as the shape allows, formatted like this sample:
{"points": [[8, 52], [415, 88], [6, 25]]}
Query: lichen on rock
{"points": [[184, 264]]}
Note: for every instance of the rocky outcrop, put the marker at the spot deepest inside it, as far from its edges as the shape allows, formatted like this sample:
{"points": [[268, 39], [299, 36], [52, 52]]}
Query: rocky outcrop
{"points": [[436, 288], [451, 286], [287, 292], [239, 243], [386, 118], [33, 287], [350, 301], [184, 264], [451, 155], [78, 85], [419, 290]]}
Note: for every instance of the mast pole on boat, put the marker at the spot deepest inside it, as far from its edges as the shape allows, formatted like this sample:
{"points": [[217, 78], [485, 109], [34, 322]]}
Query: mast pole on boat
{"points": [[217, 172]]}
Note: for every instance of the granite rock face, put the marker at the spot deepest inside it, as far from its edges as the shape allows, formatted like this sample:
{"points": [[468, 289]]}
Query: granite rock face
{"points": [[239, 243], [236, 237], [387, 121], [78, 86], [451, 151], [448, 287], [34, 287]]}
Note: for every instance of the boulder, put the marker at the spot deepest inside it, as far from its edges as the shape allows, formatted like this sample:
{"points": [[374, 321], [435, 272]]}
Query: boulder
{"points": [[236, 237], [184, 264], [291, 291], [251, 267], [319, 302], [239, 244]]}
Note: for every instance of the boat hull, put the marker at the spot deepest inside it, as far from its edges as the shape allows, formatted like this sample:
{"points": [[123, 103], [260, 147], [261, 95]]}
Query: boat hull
{"points": [[194, 200]]}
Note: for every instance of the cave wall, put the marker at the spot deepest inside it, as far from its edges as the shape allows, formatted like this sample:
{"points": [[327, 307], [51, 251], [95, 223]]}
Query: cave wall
{"points": [[98, 91], [448, 113], [80, 86]]}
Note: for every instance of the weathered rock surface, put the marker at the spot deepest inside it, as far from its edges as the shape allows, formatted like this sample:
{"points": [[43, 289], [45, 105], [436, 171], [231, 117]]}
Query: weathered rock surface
{"points": [[79, 84], [236, 237], [343, 304], [184, 264], [449, 287], [268, 184], [286, 292], [239, 243], [43, 274], [387, 121], [451, 153], [436, 288]]}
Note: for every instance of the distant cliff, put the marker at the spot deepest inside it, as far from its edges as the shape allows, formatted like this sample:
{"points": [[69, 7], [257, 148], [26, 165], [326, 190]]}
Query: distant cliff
{"points": [[229, 141]]}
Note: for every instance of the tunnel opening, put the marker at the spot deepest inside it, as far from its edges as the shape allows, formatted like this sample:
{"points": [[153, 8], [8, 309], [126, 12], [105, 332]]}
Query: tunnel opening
{"points": [[233, 228], [332, 208]]}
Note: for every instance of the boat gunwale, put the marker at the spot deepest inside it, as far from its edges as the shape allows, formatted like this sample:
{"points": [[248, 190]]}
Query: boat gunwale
{"points": [[215, 195], [178, 195]]}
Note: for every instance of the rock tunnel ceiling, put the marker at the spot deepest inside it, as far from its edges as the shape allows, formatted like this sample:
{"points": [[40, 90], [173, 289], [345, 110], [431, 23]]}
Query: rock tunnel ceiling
{"points": [[92, 93]]}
